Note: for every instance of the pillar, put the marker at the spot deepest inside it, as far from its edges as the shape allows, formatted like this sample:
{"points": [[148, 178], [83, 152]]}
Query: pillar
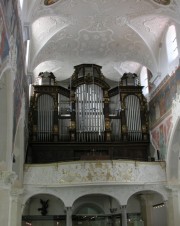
{"points": [[68, 216], [146, 209], [15, 213], [173, 208], [124, 215], [4, 206], [6, 180]]}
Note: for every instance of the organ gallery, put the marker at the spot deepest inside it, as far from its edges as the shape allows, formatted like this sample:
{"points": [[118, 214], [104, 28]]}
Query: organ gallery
{"points": [[87, 117]]}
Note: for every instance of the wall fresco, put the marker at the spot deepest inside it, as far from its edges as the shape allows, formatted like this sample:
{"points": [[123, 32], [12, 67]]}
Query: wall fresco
{"points": [[16, 54], [161, 103], [4, 46], [160, 137], [161, 116]]}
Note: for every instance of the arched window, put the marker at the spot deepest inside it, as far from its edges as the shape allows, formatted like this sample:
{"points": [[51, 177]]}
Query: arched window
{"points": [[21, 3], [144, 80], [171, 44]]}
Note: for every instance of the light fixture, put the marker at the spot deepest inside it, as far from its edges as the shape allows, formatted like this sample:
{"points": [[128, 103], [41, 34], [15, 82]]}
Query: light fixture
{"points": [[159, 205]]}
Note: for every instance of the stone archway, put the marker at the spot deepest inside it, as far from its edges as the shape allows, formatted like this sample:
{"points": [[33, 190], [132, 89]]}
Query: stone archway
{"points": [[96, 210], [147, 208], [44, 209]]}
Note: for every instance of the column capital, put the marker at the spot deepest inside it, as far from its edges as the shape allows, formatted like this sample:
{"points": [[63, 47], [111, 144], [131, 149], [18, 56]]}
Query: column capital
{"points": [[123, 207], [173, 192], [2, 83], [173, 188], [68, 209], [15, 192], [7, 178]]}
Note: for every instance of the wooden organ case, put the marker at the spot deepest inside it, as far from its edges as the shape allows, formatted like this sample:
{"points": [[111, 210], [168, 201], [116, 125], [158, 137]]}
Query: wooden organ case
{"points": [[87, 119]]}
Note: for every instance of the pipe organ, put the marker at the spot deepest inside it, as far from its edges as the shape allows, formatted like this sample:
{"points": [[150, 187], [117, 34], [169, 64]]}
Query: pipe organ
{"points": [[87, 119]]}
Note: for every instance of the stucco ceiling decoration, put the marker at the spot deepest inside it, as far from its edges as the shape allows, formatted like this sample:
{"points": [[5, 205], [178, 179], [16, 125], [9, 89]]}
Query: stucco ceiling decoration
{"points": [[107, 33]]}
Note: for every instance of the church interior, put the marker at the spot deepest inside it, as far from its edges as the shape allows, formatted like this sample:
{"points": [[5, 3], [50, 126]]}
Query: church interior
{"points": [[89, 112]]}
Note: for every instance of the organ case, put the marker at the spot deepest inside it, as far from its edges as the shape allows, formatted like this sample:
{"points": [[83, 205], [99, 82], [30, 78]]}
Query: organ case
{"points": [[88, 117]]}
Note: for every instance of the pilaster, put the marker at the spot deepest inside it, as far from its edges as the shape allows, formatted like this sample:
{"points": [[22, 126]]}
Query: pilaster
{"points": [[15, 207], [173, 207], [6, 180]]}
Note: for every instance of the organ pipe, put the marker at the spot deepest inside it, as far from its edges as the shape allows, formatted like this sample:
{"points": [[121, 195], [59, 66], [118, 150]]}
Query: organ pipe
{"points": [[45, 106], [89, 113], [133, 117]]}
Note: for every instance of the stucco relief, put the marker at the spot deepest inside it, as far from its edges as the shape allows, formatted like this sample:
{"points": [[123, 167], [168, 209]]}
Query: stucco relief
{"points": [[95, 172], [94, 43]]}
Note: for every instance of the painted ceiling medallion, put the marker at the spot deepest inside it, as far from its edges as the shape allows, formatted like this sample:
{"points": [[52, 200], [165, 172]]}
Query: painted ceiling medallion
{"points": [[50, 2], [163, 2]]}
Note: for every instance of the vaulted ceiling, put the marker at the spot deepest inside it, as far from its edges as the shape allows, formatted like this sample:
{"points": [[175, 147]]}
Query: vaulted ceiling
{"points": [[120, 35]]}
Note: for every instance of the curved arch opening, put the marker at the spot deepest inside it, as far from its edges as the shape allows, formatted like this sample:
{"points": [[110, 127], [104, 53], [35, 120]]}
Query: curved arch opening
{"points": [[96, 209], [43, 209], [146, 207]]}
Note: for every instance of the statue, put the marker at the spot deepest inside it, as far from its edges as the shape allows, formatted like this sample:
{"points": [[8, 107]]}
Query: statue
{"points": [[44, 207]]}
